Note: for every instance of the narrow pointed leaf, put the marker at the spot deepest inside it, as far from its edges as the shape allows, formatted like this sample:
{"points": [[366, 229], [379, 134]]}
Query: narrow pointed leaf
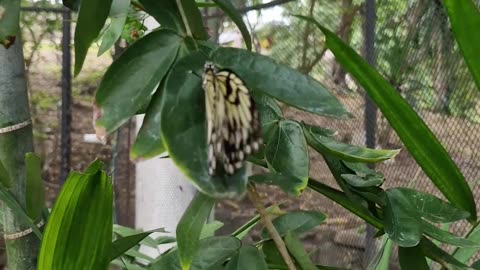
{"points": [[465, 20], [296, 248], [347, 152], [34, 189], [447, 237], [231, 11], [287, 85], [382, 258], [195, 20], [123, 244], [464, 254], [91, 18], [289, 184], [241, 232], [248, 257], [165, 12], [4, 177], [437, 254], [118, 16], [414, 133], [209, 229], [358, 181], [190, 227], [79, 232], [340, 198], [132, 79]]}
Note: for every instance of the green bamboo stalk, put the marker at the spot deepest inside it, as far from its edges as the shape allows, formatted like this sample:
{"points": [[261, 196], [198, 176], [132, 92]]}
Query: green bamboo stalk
{"points": [[14, 109]]}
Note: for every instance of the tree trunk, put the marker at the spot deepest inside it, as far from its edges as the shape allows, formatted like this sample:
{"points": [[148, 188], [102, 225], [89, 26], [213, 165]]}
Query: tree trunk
{"points": [[14, 109]]}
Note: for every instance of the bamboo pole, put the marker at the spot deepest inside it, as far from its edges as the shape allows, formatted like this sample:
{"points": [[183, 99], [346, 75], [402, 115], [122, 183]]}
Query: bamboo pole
{"points": [[16, 139]]}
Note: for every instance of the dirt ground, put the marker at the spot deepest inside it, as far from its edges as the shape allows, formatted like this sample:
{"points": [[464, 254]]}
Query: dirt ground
{"points": [[338, 242]]}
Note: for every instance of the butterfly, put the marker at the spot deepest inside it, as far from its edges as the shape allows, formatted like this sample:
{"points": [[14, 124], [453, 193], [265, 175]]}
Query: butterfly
{"points": [[233, 125]]}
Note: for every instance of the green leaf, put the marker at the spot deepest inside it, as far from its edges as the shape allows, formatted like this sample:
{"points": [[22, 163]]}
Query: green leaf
{"points": [[118, 16], [437, 254], [319, 131], [447, 237], [287, 85], [430, 207], [184, 129], [194, 18], [212, 252], [4, 176], [414, 133], [464, 254], [34, 190], [248, 257], [272, 254], [91, 18], [295, 221], [465, 20], [295, 247], [9, 21], [287, 151], [165, 12], [358, 181], [132, 79], [476, 265], [149, 141], [347, 152], [412, 258], [289, 184], [270, 113], [123, 244], [190, 227], [231, 11], [340, 198], [382, 258], [79, 231], [126, 265], [401, 222], [209, 229]]}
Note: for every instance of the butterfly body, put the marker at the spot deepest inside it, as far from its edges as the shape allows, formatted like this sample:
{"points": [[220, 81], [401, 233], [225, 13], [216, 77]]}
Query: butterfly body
{"points": [[233, 126]]}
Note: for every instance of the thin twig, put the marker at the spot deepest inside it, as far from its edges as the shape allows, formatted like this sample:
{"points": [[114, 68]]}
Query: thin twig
{"points": [[255, 198], [184, 18], [250, 8]]}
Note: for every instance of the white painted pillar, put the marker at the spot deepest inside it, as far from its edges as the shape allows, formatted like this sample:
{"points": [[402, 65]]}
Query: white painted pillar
{"points": [[162, 191]]}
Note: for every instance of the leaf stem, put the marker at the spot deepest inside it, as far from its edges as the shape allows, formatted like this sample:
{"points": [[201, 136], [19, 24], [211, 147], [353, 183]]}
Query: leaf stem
{"points": [[184, 18], [255, 198]]}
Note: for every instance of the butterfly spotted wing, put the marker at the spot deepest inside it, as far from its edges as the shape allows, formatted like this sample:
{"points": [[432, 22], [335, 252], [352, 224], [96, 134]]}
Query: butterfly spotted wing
{"points": [[233, 126]]}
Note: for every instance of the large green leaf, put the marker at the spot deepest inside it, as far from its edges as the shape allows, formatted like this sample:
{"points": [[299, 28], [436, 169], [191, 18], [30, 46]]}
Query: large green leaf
{"points": [[79, 231], [295, 221], [212, 252], [118, 16], [165, 12], [9, 21], [465, 20], [190, 227], [412, 258], [194, 18], [414, 133], [340, 198], [437, 254], [296, 248], [132, 79], [287, 151], [91, 18], [464, 254], [347, 152], [184, 129], [227, 6], [291, 185], [287, 85], [248, 257], [34, 190], [400, 220], [270, 113]]}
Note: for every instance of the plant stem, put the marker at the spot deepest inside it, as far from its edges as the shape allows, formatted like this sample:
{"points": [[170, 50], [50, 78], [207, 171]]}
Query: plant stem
{"points": [[184, 18], [14, 109], [255, 198]]}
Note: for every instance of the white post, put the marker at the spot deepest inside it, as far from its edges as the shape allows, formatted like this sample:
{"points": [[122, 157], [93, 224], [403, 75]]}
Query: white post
{"points": [[162, 191]]}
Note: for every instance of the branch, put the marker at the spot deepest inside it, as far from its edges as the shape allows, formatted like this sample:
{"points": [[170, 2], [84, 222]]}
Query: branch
{"points": [[250, 8], [255, 198]]}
